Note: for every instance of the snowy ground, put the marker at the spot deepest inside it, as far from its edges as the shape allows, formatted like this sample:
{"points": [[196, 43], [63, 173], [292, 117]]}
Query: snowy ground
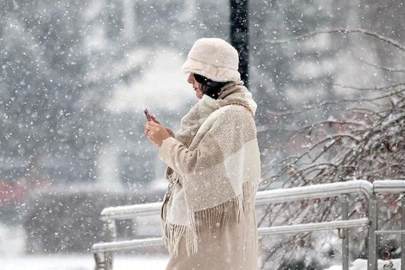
{"points": [[78, 262], [362, 265], [12, 257]]}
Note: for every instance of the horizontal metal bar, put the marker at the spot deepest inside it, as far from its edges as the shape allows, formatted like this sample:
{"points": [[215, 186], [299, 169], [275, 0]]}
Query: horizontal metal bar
{"points": [[390, 232], [315, 191], [262, 197], [131, 211], [126, 245], [389, 186], [310, 227]]}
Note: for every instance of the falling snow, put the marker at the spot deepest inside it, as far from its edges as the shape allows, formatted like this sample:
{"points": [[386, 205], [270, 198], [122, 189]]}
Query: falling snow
{"points": [[328, 77]]}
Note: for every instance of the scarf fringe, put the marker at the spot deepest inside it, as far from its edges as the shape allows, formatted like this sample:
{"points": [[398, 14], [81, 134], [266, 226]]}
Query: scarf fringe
{"points": [[172, 237], [215, 217]]}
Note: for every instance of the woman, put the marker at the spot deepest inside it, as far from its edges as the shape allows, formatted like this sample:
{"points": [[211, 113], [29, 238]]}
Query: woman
{"points": [[213, 167]]}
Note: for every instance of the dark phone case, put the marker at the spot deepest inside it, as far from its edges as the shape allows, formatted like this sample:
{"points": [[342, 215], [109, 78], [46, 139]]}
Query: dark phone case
{"points": [[147, 114]]}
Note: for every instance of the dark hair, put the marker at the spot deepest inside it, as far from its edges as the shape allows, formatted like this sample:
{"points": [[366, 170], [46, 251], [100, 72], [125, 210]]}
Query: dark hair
{"points": [[209, 87]]}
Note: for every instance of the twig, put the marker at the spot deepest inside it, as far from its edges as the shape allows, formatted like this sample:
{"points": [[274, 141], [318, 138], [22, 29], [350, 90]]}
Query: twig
{"points": [[383, 88], [333, 138], [311, 127], [342, 101], [342, 31], [381, 68]]}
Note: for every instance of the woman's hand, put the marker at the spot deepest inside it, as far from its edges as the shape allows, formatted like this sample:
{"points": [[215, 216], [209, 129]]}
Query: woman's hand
{"points": [[154, 119], [156, 133], [171, 133]]}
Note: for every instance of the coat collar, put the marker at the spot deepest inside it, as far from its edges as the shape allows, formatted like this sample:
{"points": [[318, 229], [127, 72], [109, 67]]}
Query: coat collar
{"points": [[233, 92]]}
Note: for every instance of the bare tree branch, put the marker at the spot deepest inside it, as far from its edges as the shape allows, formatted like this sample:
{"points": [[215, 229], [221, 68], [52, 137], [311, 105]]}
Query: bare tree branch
{"points": [[342, 101], [383, 88], [388, 69], [342, 31], [366, 141]]}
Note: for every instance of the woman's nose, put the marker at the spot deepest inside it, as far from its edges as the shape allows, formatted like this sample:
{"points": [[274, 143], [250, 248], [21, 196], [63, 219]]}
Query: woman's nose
{"points": [[190, 78]]}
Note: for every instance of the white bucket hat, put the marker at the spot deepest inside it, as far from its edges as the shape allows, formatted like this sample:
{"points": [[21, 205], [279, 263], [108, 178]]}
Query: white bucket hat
{"points": [[213, 58]]}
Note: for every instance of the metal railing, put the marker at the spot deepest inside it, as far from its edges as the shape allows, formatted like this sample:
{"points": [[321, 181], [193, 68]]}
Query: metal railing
{"points": [[103, 252]]}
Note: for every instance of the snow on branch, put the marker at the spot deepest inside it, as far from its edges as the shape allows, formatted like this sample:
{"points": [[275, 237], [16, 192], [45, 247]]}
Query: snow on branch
{"points": [[382, 88], [342, 31], [388, 69], [372, 100], [365, 139]]}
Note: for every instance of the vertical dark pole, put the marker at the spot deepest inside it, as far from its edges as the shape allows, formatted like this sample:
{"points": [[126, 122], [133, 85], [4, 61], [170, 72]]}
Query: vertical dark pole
{"points": [[240, 35]]}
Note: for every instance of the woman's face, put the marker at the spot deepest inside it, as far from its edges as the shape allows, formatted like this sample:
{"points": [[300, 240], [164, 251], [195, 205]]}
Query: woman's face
{"points": [[196, 85]]}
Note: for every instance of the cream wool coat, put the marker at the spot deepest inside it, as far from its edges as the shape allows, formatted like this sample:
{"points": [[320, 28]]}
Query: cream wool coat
{"points": [[213, 168]]}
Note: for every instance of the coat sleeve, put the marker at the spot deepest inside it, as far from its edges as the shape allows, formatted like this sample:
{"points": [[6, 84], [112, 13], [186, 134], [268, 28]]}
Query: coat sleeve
{"points": [[225, 136], [185, 161]]}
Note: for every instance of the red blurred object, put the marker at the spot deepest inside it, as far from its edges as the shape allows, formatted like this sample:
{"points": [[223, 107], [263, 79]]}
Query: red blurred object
{"points": [[12, 193]]}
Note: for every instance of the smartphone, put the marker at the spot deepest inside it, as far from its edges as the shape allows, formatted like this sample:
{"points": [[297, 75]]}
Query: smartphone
{"points": [[147, 114]]}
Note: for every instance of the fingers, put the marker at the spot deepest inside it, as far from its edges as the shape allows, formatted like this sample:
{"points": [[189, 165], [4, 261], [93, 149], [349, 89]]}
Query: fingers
{"points": [[151, 126], [152, 123], [154, 118], [148, 127]]}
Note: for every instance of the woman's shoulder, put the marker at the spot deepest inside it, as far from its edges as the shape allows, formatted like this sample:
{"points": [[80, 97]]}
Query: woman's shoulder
{"points": [[237, 113], [236, 122], [228, 116], [234, 116]]}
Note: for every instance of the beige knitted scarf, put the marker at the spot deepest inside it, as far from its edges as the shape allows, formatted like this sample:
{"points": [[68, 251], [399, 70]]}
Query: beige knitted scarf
{"points": [[213, 166]]}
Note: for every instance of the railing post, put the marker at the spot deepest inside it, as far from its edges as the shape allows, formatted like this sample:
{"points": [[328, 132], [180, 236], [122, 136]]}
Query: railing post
{"points": [[260, 251], [345, 233], [402, 235], [99, 262], [372, 239], [110, 235]]}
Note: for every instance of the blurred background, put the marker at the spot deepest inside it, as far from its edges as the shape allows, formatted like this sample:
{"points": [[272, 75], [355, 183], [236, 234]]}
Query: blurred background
{"points": [[75, 76]]}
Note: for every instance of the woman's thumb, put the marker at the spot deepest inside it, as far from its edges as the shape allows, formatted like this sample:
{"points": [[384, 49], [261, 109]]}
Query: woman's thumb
{"points": [[154, 118], [171, 133]]}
